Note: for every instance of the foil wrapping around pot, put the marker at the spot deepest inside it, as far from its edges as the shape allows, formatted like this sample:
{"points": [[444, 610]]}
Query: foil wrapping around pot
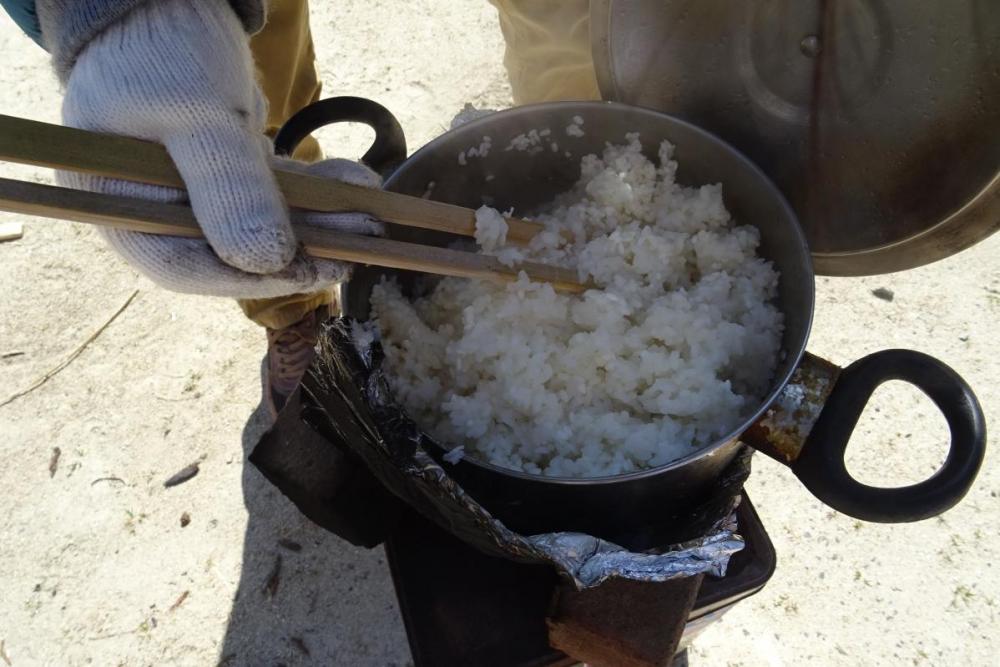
{"points": [[346, 395]]}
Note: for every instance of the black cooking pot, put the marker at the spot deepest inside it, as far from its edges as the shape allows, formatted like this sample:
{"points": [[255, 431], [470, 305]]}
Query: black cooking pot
{"points": [[807, 417]]}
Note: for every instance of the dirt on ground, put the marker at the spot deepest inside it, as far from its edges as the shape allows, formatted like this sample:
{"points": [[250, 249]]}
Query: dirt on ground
{"points": [[103, 565]]}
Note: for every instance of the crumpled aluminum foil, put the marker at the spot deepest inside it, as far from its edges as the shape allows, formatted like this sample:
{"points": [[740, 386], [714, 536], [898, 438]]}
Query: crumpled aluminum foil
{"points": [[348, 393], [590, 561]]}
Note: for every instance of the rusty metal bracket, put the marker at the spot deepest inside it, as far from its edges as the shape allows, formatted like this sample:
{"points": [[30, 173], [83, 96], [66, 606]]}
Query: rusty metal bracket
{"points": [[783, 429]]}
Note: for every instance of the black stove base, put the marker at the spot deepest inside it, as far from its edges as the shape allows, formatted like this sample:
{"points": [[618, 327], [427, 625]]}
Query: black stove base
{"points": [[461, 607]]}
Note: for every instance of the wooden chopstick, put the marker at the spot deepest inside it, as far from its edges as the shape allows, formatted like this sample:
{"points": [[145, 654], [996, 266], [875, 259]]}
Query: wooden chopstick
{"points": [[60, 147], [140, 215]]}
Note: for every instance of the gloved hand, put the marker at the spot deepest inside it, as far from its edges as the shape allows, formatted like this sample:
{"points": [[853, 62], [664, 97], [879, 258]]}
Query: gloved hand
{"points": [[191, 266], [179, 72]]}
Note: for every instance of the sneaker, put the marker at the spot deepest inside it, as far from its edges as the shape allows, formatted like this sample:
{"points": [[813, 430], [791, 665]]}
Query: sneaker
{"points": [[290, 351]]}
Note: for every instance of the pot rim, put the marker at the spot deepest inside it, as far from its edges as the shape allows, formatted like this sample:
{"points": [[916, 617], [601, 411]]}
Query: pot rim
{"points": [[777, 384]]}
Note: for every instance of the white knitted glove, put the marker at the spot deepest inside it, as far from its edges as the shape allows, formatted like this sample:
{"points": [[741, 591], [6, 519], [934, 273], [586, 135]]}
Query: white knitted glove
{"points": [[179, 72], [190, 265]]}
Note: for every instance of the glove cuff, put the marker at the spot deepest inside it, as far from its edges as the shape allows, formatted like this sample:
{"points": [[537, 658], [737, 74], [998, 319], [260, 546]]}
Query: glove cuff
{"points": [[69, 25]]}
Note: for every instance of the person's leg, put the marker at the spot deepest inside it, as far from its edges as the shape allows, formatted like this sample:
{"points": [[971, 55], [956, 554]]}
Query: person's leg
{"points": [[280, 312], [285, 59], [286, 68], [548, 55], [286, 72]]}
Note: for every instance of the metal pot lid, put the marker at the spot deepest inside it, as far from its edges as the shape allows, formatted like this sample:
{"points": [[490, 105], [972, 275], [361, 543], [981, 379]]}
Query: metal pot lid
{"points": [[878, 119]]}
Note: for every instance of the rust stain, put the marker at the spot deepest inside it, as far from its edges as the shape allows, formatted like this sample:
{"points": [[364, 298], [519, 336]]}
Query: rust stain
{"points": [[783, 429]]}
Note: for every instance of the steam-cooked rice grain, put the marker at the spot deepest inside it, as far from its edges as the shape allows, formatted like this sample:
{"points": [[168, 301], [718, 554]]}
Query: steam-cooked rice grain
{"points": [[672, 353]]}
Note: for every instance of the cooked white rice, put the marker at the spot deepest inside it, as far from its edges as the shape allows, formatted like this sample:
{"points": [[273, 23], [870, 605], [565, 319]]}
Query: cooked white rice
{"points": [[672, 353], [575, 129]]}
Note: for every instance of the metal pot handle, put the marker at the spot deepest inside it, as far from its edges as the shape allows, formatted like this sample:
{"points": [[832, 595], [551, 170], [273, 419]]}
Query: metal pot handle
{"points": [[815, 452], [820, 465], [388, 150]]}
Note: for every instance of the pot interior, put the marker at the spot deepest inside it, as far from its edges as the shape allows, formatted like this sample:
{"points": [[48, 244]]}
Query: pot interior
{"points": [[525, 181]]}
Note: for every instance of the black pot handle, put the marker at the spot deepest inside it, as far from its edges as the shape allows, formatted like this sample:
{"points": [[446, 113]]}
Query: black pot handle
{"points": [[388, 150], [820, 465]]}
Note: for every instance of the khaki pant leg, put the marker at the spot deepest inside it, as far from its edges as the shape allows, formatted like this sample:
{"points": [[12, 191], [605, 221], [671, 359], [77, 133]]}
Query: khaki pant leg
{"points": [[286, 67], [548, 56], [286, 71]]}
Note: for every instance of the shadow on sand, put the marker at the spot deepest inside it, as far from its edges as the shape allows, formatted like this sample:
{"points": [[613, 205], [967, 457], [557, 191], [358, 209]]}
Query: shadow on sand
{"points": [[305, 596]]}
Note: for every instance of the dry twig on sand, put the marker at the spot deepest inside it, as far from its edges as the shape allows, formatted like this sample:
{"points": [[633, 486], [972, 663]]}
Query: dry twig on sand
{"points": [[179, 602], [54, 461], [76, 353]]}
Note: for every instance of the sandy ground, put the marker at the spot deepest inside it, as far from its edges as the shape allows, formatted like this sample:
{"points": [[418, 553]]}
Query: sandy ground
{"points": [[96, 568]]}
